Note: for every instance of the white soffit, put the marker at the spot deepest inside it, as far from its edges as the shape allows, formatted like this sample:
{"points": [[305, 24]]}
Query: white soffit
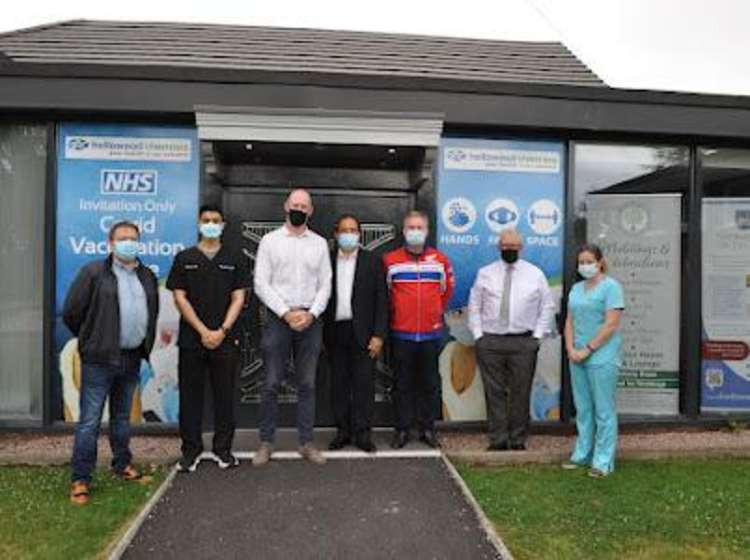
{"points": [[318, 125]]}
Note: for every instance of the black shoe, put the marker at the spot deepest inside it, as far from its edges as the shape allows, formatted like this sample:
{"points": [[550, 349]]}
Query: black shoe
{"points": [[340, 441], [188, 464], [518, 446], [400, 439], [365, 443], [226, 460], [498, 446], [430, 439]]}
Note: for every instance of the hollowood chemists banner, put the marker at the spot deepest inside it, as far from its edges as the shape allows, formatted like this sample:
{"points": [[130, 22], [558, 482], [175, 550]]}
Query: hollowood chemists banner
{"points": [[640, 237], [725, 370], [485, 186], [150, 176]]}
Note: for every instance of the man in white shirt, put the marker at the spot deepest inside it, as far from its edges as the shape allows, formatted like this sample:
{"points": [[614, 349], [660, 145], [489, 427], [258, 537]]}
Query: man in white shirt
{"points": [[293, 280], [510, 310]]}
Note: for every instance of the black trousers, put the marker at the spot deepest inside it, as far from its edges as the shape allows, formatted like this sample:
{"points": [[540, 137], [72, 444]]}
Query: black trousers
{"points": [[352, 381], [194, 367], [507, 364], [417, 383]]}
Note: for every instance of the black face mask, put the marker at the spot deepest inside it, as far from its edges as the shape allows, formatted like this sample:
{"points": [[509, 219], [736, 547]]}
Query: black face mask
{"points": [[297, 217], [509, 255]]}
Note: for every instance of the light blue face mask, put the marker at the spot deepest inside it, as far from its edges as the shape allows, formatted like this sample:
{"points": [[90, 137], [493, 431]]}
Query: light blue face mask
{"points": [[126, 249], [211, 231], [348, 241], [415, 237], [588, 271]]}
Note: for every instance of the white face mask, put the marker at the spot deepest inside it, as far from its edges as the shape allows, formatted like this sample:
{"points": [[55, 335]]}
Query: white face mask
{"points": [[415, 237], [588, 271]]}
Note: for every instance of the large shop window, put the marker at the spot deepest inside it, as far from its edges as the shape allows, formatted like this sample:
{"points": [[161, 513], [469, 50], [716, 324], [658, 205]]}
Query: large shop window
{"points": [[23, 163], [630, 200], [725, 368]]}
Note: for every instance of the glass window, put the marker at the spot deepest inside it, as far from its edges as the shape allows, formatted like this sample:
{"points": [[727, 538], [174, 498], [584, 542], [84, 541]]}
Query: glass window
{"points": [[23, 165], [630, 200], [725, 286]]}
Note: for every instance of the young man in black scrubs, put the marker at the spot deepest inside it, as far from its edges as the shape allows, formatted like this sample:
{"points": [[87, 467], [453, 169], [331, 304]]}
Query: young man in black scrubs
{"points": [[208, 282]]}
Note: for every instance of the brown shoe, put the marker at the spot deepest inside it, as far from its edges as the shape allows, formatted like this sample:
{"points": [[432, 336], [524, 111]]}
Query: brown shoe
{"points": [[80, 493], [263, 455], [128, 473], [311, 453]]}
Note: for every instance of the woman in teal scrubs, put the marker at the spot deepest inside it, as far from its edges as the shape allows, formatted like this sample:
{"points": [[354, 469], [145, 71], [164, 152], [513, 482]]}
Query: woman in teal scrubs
{"points": [[593, 343]]}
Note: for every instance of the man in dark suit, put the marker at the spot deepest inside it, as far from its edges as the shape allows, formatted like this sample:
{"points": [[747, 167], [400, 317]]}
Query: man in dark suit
{"points": [[356, 323]]}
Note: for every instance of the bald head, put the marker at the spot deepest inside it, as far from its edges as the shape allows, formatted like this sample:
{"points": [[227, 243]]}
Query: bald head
{"points": [[510, 238], [299, 199]]}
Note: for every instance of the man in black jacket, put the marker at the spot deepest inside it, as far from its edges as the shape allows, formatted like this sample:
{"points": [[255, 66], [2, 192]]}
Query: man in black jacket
{"points": [[111, 307], [356, 322]]}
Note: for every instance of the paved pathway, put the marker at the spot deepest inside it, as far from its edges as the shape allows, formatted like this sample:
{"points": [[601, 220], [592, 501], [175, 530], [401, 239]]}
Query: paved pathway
{"points": [[349, 508]]}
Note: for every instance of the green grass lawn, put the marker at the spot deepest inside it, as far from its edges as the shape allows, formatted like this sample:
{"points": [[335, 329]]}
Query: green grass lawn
{"points": [[677, 509], [38, 521]]}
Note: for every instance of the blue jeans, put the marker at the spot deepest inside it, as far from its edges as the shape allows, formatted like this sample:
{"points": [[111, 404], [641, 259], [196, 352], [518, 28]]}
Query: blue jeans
{"points": [[277, 343], [594, 394], [97, 383]]}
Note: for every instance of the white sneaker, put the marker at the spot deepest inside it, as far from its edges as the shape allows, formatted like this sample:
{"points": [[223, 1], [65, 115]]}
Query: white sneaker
{"points": [[227, 460], [186, 465]]}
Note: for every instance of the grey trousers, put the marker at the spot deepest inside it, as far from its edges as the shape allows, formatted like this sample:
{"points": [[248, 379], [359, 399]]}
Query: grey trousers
{"points": [[507, 364]]}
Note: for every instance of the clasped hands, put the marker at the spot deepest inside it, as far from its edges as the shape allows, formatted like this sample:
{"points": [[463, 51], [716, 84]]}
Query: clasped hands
{"points": [[577, 356], [298, 319], [212, 339]]}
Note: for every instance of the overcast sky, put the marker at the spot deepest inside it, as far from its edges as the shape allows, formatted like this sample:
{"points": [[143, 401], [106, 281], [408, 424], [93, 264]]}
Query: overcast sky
{"points": [[680, 45]]}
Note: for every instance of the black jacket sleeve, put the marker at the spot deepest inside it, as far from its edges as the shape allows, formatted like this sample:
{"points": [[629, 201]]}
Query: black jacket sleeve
{"points": [[78, 300], [381, 300]]}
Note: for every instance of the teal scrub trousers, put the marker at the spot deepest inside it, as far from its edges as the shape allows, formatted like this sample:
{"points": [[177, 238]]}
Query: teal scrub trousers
{"points": [[594, 394]]}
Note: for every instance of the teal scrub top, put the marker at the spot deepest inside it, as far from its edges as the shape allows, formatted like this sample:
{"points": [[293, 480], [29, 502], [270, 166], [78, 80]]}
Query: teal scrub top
{"points": [[588, 308]]}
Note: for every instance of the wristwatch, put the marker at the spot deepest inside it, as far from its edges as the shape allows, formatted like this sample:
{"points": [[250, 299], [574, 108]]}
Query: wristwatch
{"points": [[589, 348], [225, 330]]}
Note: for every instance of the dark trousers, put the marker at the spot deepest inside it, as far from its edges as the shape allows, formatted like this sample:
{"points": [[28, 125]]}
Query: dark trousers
{"points": [[507, 364], [119, 383], [416, 383], [194, 367], [278, 341], [352, 384]]}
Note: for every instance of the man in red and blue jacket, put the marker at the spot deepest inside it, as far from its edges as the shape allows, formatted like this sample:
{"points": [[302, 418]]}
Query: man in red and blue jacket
{"points": [[420, 280]]}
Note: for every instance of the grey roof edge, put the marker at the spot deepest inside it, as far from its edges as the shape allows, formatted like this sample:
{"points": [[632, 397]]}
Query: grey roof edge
{"points": [[41, 27], [163, 74], [185, 24], [572, 71]]}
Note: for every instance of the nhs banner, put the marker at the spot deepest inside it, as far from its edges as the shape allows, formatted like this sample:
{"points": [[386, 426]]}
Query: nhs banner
{"points": [[148, 175], [484, 187]]}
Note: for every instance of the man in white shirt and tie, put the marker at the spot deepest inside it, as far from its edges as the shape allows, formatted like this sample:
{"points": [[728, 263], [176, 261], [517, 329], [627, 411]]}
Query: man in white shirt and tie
{"points": [[293, 280], [511, 309]]}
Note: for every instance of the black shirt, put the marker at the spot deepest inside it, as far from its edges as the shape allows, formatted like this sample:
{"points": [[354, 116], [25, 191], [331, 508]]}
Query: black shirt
{"points": [[209, 284]]}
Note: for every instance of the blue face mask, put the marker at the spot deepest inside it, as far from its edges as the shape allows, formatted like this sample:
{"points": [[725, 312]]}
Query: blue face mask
{"points": [[588, 271], [126, 249], [211, 231], [348, 241], [415, 237]]}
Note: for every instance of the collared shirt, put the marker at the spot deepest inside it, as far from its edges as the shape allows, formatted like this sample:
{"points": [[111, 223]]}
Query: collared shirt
{"points": [[346, 266], [133, 307], [532, 307], [293, 271]]}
